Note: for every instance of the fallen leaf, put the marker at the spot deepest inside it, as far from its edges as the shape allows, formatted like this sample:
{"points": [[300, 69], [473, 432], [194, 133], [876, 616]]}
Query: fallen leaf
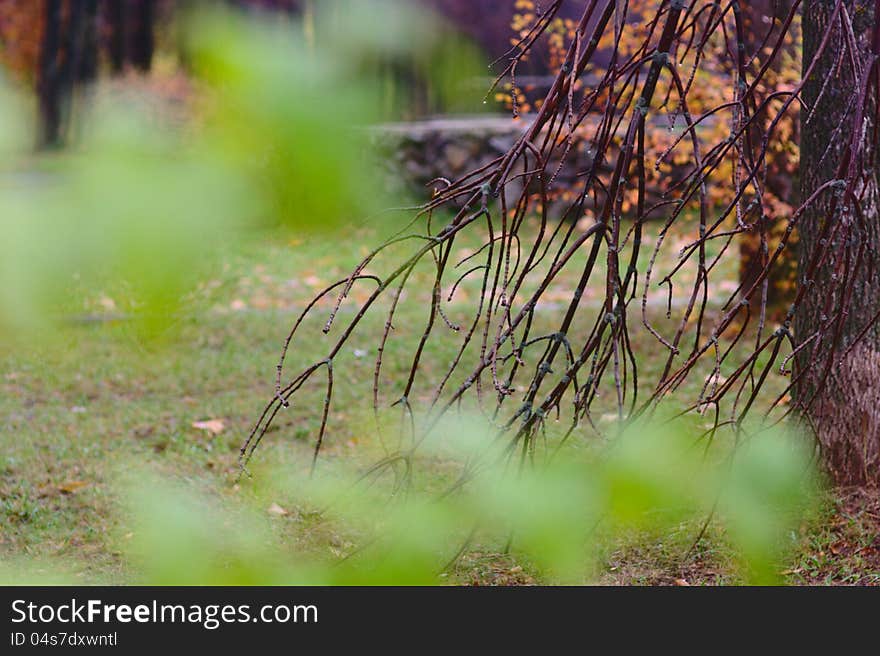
{"points": [[72, 486], [277, 510], [261, 302], [144, 431], [213, 426]]}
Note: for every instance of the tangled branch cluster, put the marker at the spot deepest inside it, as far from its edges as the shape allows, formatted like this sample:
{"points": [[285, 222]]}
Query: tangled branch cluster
{"points": [[520, 374]]}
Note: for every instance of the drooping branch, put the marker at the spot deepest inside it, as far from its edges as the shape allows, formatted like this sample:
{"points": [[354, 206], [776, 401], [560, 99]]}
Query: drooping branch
{"points": [[652, 114]]}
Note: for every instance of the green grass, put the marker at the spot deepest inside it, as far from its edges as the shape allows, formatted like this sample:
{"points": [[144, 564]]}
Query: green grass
{"points": [[75, 409], [79, 407]]}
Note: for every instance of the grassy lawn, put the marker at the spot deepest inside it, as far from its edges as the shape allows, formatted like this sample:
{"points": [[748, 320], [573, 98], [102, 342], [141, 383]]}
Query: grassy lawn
{"points": [[79, 411]]}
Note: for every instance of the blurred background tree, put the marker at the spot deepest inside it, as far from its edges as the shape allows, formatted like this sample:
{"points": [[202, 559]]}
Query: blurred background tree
{"points": [[58, 45], [762, 22], [140, 104]]}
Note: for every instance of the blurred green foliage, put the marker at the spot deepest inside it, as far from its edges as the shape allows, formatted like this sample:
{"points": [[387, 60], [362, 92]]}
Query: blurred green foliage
{"points": [[553, 512], [280, 139]]}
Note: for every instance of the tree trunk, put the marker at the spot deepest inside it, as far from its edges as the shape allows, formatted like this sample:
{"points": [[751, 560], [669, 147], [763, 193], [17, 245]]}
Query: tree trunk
{"points": [[116, 34], [838, 389], [49, 78], [140, 47], [86, 68]]}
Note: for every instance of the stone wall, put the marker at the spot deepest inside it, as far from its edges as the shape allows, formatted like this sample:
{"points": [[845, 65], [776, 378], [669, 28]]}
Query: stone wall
{"points": [[414, 154]]}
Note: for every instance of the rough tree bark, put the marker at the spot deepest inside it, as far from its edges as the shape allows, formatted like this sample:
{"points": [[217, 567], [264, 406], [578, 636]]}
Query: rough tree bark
{"points": [[843, 399]]}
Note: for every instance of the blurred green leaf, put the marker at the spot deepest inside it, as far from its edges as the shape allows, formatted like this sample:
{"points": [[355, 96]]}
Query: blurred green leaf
{"points": [[280, 139]]}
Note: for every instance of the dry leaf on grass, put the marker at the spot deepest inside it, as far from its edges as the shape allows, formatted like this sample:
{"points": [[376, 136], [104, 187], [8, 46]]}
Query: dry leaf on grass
{"points": [[277, 510], [72, 486], [213, 426]]}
